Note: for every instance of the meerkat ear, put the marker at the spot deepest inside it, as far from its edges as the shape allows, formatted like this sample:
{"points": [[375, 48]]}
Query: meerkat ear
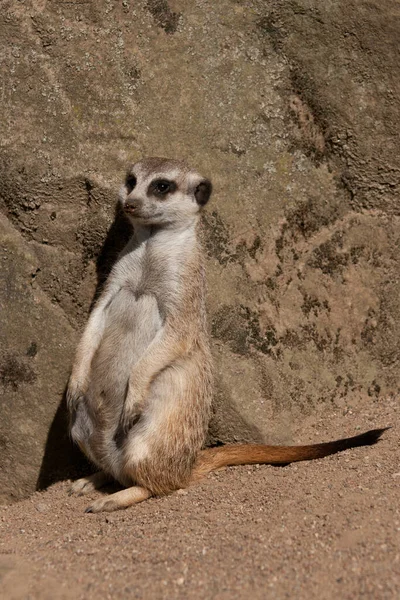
{"points": [[202, 192]]}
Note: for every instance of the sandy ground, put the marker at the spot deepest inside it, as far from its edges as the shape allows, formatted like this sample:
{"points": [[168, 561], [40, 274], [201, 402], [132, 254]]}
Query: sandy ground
{"points": [[323, 529]]}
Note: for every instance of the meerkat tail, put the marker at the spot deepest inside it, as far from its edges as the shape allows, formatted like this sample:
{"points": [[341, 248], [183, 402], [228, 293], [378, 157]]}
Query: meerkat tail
{"points": [[247, 454]]}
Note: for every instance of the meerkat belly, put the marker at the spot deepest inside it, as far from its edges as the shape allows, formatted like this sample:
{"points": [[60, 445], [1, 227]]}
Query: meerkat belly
{"points": [[131, 324]]}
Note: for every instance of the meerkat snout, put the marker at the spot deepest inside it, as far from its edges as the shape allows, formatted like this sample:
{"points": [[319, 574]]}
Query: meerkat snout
{"points": [[131, 205]]}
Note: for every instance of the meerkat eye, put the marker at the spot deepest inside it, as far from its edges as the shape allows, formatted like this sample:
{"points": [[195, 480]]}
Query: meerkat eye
{"points": [[130, 183], [162, 187]]}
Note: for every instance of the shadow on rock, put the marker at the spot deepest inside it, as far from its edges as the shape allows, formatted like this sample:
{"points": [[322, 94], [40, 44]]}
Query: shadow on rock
{"points": [[62, 459], [227, 425], [116, 238]]}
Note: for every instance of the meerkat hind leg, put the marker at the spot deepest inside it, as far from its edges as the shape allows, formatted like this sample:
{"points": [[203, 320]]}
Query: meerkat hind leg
{"points": [[118, 500], [85, 485]]}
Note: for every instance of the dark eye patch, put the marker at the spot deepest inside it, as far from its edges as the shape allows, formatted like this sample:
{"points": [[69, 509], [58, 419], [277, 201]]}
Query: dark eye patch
{"points": [[161, 187], [130, 183]]}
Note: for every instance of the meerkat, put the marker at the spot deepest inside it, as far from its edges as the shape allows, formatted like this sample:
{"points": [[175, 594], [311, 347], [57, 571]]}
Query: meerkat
{"points": [[141, 386]]}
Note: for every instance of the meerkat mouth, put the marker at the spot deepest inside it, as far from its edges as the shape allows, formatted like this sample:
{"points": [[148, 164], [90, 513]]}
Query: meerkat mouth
{"points": [[137, 213], [130, 209]]}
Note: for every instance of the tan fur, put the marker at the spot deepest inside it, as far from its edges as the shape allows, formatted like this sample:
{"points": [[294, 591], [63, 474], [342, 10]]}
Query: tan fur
{"points": [[141, 385], [140, 391], [247, 454]]}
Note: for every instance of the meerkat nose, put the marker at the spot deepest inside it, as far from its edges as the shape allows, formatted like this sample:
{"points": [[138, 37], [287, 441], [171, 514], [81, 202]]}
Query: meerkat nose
{"points": [[132, 204]]}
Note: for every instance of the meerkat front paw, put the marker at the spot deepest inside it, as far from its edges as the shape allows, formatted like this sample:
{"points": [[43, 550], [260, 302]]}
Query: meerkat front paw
{"points": [[131, 412], [75, 393], [126, 422]]}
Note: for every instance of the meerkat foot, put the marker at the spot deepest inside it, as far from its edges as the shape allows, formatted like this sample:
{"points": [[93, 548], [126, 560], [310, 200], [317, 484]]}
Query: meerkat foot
{"points": [[83, 486], [126, 424], [119, 500]]}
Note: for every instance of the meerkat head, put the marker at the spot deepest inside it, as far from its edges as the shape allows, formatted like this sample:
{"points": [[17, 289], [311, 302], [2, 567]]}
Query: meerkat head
{"points": [[161, 191]]}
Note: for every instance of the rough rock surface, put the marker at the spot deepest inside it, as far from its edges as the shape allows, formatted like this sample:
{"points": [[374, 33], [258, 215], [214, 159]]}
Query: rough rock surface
{"points": [[33, 365], [292, 109]]}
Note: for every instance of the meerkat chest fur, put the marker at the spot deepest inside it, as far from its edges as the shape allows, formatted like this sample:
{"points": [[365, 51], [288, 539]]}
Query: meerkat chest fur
{"points": [[155, 262], [150, 282]]}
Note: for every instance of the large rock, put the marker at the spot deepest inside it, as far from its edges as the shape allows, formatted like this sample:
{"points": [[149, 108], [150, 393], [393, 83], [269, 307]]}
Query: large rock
{"points": [[291, 109], [35, 349]]}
